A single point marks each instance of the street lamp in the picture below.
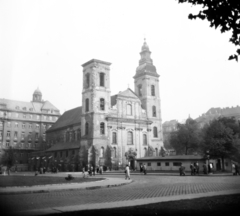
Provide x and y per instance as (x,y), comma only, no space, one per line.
(208,156)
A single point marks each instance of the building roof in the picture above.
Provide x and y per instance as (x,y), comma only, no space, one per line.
(172,157)
(35,106)
(97,61)
(64,146)
(68,118)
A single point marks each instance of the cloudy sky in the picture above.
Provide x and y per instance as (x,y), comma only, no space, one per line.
(44,43)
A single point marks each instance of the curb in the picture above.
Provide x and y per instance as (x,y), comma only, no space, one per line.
(66,189)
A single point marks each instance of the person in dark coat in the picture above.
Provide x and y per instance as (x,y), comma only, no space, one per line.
(144,169)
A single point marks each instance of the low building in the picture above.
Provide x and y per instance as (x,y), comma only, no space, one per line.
(172,163)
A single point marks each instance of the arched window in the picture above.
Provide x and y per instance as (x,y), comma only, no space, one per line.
(86,105)
(145,152)
(101,77)
(154,114)
(129,109)
(130,138)
(102,128)
(144,139)
(140,90)
(152,90)
(87,80)
(114,152)
(155,133)
(114,138)
(102,104)
(102,152)
(86,128)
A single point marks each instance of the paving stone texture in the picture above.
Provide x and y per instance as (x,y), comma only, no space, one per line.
(143,189)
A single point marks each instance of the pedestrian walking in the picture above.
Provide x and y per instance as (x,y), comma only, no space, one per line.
(182,170)
(197,168)
(127,172)
(144,169)
(233,169)
(204,168)
(192,169)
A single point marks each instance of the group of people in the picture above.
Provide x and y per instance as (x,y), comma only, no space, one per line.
(194,167)
(143,169)
(91,170)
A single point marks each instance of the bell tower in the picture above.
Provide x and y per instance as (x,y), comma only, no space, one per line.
(146,82)
(95,104)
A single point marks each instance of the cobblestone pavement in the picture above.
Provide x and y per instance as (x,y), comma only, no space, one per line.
(143,187)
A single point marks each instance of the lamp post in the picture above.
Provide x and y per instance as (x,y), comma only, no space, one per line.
(208,156)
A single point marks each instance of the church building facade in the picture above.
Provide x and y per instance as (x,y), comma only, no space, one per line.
(110,130)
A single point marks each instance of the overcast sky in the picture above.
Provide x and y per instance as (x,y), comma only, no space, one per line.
(44,43)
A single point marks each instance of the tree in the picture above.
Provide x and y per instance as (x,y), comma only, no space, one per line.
(219,140)
(221,13)
(8,158)
(130,154)
(187,137)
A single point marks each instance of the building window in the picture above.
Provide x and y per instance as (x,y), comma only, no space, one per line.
(166,163)
(24,116)
(154,114)
(144,139)
(149,164)
(140,90)
(37,126)
(177,163)
(102,152)
(145,152)
(102,128)
(87,105)
(36,136)
(101,76)
(17,115)
(102,104)
(8,134)
(87,80)
(61,154)
(9,124)
(86,128)
(44,137)
(23,135)
(155,133)
(16,124)
(30,136)
(15,134)
(158,164)
(129,109)
(114,138)
(1,135)
(38,117)
(7,144)
(55,154)
(23,126)
(129,138)
(44,126)
(152,90)
(30,116)
(30,126)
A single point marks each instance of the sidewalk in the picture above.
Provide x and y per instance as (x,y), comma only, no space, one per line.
(108,182)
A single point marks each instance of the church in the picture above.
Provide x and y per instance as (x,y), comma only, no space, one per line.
(108,130)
